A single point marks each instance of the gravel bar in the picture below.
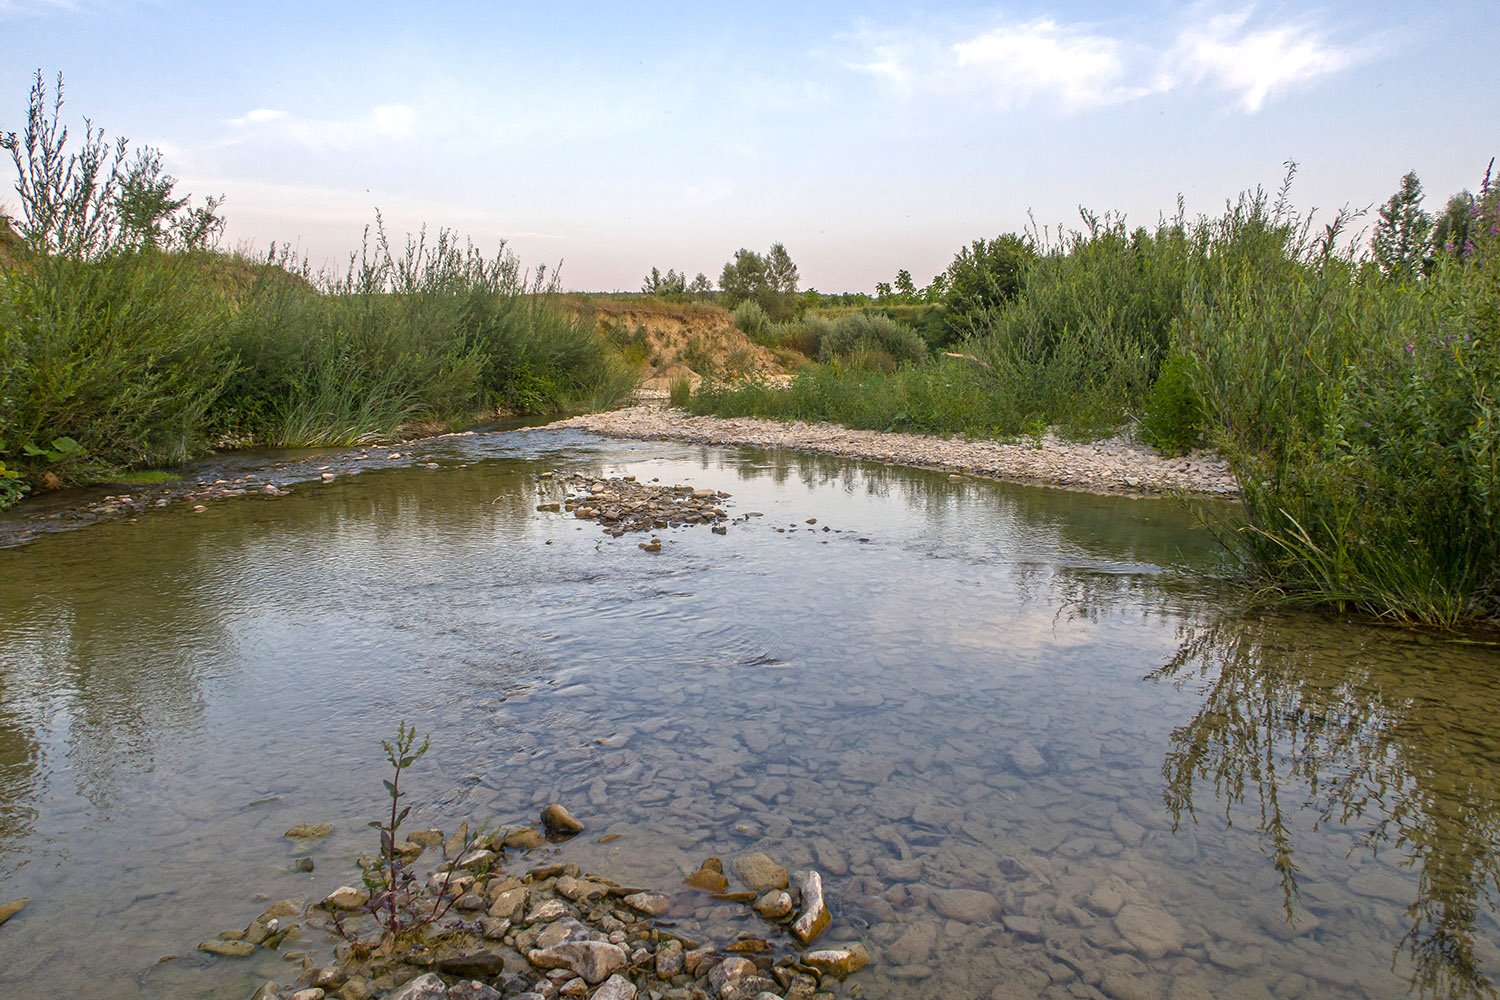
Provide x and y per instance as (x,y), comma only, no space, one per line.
(1116,465)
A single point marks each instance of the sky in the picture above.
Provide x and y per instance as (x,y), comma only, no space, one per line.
(612,138)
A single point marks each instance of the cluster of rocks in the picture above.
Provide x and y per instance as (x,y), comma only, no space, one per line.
(621,504)
(554,931)
(1117,464)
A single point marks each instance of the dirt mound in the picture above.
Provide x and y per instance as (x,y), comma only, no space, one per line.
(696,340)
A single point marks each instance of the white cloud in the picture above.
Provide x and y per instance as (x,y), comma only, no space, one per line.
(1041,58)
(1255,64)
(258,116)
(1078,67)
(382,123)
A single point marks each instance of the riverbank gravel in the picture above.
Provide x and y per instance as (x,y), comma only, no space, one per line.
(1115,465)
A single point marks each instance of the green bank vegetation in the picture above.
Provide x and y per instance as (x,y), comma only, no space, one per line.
(1351,387)
(127,341)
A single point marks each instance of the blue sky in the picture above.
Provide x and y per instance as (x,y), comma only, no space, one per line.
(866,137)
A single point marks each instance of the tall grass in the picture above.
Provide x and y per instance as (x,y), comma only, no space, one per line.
(126,341)
(950,397)
(434,333)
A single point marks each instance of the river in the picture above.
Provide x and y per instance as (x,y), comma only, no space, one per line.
(1042,695)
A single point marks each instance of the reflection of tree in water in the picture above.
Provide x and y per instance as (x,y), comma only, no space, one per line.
(19,758)
(1400,737)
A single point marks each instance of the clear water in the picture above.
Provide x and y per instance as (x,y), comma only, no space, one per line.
(1033,693)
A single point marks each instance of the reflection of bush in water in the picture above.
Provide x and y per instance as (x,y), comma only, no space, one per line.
(1404,737)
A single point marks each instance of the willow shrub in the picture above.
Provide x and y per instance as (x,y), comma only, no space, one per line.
(1083,342)
(124,354)
(1360,416)
(440,332)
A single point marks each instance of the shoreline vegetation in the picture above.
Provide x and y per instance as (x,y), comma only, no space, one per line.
(1351,392)
(128,341)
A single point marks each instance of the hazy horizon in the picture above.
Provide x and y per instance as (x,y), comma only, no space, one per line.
(866,138)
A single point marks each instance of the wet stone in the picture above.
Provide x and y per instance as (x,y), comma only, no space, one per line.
(227,949)
(759,872)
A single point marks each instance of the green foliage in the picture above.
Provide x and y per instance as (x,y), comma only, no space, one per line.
(1083,342)
(986,275)
(669,285)
(1359,416)
(1173,420)
(124,354)
(1400,240)
(867,331)
(12,486)
(680,391)
(94,201)
(771,280)
(950,397)
(751,319)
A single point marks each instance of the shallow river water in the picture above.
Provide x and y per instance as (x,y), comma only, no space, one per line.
(968,685)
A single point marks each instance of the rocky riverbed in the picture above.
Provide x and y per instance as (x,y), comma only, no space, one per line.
(488,923)
(1118,464)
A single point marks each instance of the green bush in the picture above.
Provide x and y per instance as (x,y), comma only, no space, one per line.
(870,331)
(751,319)
(1173,421)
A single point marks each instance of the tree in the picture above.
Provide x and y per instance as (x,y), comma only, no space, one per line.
(744,276)
(905,290)
(700,285)
(781,273)
(1450,232)
(769,279)
(987,274)
(667,284)
(1400,240)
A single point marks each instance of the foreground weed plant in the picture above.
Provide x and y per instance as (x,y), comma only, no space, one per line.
(396,899)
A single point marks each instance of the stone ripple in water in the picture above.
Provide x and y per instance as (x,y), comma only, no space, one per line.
(952,721)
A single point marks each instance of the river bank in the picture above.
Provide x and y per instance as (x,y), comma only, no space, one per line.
(1115,465)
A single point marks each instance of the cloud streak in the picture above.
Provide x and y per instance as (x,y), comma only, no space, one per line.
(379,124)
(1254,65)
(1077,67)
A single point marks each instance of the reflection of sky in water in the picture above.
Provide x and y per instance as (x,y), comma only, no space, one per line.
(179,691)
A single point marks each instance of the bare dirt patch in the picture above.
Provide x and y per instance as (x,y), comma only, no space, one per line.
(694,340)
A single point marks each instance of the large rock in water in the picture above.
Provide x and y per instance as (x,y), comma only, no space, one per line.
(1150,930)
(759,872)
(594,961)
(839,961)
(558,820)
(814,916)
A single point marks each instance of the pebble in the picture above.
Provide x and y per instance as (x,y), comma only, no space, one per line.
(1116,465)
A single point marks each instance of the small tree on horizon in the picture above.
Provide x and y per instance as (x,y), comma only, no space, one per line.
(1400,240)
